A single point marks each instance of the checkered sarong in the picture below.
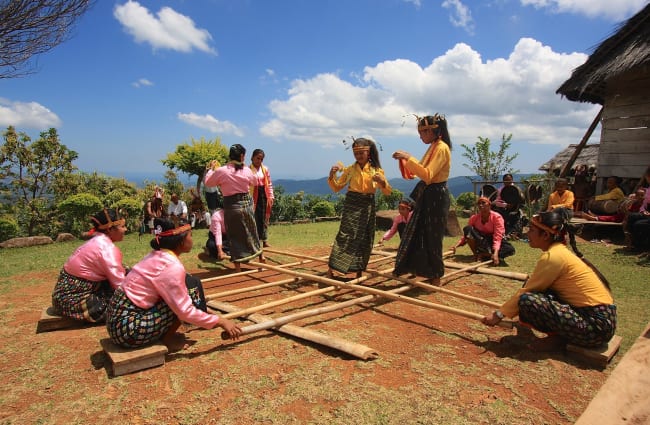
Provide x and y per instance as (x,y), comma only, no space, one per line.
(81,299)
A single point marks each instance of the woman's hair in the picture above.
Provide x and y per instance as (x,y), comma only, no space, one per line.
(236,151)
(105,220)
(257,152)
(557,225)
(161,226)
(506,175)
(373,153)
(439,125)
(407,203)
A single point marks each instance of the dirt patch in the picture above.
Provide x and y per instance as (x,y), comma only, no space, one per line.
(433,367)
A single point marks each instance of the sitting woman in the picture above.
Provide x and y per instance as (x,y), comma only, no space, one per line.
(484,234)
(405,209)
(626,207)
(91,274)
(565,297)
(157,295)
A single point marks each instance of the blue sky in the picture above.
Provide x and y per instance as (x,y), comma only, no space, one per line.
(296,77)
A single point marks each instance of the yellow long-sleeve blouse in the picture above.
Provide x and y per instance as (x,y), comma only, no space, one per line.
(557,201)
(435,164)
(359,180)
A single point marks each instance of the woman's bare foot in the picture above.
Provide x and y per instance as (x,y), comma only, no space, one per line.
(359,274)
(237,267)
(262,258)
(330,273)
(176,342)
(265,244)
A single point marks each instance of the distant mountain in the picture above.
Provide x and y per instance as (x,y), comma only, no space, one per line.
(319,187)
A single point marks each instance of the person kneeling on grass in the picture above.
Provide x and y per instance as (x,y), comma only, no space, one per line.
(565,297)
(158,294)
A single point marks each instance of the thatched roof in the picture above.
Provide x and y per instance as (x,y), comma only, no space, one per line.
(588,156)
(627,49)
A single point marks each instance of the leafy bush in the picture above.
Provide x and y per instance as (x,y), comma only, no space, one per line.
(466,200)
(131,209)
(76,211)
(8,229)
(323,209)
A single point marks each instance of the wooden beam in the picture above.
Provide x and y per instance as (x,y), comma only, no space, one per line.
(582,144)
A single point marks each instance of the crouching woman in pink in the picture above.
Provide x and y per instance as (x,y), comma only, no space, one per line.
(91,274)
(158,294)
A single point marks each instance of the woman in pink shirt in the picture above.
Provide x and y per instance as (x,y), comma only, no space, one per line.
(235,181)
(405,209)
(158,294)
(484,234)
(91,274)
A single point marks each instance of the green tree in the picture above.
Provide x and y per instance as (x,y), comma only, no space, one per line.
(27,172)
(466,200)
(77,210)
(489,165)
(389,202)
(192,158)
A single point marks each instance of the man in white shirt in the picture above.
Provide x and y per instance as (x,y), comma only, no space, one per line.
(177,209)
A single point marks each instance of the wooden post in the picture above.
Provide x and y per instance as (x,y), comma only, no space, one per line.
(582,144)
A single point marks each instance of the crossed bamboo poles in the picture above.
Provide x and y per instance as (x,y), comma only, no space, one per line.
(281,323)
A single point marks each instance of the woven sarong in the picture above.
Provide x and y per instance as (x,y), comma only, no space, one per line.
(260,214)
(583,326)
(242,230)
(81,299)
(420,248)
(484,243)
(353,243)
(131,326)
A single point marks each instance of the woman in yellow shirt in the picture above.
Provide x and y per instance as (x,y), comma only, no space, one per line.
(420,249)
(356,235)
(565,297)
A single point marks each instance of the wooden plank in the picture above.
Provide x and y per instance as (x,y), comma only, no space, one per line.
(129,360)
(51,320)
(623,398)
(576,220)
(599,356)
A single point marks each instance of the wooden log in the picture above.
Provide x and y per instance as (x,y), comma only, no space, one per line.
(424,285)
(493,272)
(357,350)
(385,294)
(128,360)
(51,320)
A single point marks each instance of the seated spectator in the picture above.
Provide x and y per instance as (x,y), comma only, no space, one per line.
(507,203)
(217,246)
(198,214)
(637,226)
(91,274)
(562,197)
(627,206)
(158,295)
(405,209)
(177,209)
(484,234)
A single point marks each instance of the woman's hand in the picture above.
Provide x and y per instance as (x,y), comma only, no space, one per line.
(333,170)
(229,326)
(495,258)
(401,155)
(491,320)
(379,179)
(453,249)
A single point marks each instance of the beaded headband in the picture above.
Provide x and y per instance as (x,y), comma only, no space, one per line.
(537,221)
(171,232)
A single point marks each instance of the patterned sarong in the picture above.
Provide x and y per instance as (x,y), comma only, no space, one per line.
(420,248)
(242,230)
(484,242)
(353,243)
(260,214)
(81,299)
(583,326)
(131,326)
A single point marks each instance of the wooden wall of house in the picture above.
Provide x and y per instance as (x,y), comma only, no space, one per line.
(625,135)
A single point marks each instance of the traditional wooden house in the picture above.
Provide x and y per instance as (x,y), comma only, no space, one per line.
(617,76)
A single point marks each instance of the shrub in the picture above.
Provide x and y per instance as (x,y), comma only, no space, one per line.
(466,200)
(77,210)
(323,209)
(8,229)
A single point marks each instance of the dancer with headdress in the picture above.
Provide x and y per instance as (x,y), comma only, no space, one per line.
(356,235)
(565,297)
(158,294)
(420,250)
(91,274)
(235,180)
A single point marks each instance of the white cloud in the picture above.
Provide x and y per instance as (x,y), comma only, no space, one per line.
(416,3)
(210,123)
(514,95)
(29,115)
(460,15)
(167,30)
(614,10)
(142,82)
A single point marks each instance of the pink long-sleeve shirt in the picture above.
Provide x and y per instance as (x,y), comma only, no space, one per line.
(399,218)
(160,275)
(97,260)
(494,226)
(218,226)
(231,181)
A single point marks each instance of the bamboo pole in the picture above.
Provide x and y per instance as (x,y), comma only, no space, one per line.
(252,288)
(384,294)
(324,259)
(485,270)
(288,300)
(442,290)
(357,350)
(247,272)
